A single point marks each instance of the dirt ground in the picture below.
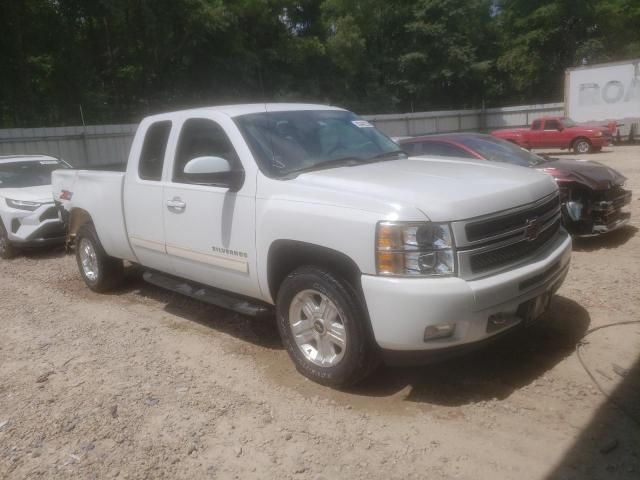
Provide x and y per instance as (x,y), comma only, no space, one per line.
(143,383)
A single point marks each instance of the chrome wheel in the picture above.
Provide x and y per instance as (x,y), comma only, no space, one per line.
(583,146)
(317,328)
(88,260)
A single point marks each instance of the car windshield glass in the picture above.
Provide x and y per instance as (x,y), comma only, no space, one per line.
(498,150)
(28,174)
(291,142)
(568,123)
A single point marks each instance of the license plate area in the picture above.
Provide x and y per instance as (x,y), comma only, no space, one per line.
(533,309)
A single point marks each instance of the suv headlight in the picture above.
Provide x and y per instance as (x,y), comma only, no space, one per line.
(23,204)
(415,249)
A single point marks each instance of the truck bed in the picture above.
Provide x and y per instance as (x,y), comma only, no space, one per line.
(101,193)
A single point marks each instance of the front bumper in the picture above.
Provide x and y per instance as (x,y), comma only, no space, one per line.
(40,227)
(594,217)
(599,142)
(400,309)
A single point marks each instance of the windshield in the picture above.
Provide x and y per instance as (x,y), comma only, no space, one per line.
(568,123)
(28,174)
(291,142)
(498,150)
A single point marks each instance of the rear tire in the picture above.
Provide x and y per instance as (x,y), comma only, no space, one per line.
(99,271)
(7,250)
(582,146)
(323,327)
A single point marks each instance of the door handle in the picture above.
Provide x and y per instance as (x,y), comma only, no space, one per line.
(176,203)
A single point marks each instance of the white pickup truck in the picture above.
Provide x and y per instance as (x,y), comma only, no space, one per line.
(365,254)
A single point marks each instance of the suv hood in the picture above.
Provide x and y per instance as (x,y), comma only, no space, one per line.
(41,193)
(444,189)
(594,175)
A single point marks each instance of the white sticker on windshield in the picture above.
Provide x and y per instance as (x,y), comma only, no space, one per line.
(362,124)
(48,162)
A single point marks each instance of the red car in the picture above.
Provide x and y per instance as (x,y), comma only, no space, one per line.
(558,132)
(592,194)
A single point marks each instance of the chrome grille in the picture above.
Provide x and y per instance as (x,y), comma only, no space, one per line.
(479,230)
(499,257)
(492,244)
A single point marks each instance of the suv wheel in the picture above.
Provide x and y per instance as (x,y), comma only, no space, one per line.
(582,145)
(323,327)
(99,271)
(7,250)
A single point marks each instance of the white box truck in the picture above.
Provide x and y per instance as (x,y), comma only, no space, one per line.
(604,93)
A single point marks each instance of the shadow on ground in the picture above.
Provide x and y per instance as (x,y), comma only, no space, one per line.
(43,253)
(493,372)
(609,240)
(261,331)
(609,446)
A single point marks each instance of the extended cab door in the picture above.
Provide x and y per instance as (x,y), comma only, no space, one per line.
(552,135)
(209,226)
(143,194)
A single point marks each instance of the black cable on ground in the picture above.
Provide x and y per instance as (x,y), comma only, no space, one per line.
(609,398)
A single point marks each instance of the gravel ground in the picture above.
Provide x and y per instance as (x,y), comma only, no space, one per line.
(144,383)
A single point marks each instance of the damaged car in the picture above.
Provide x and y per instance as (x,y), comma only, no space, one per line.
(593,195)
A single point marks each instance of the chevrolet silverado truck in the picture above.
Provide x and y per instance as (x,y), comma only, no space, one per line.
(558,132)
(363,253)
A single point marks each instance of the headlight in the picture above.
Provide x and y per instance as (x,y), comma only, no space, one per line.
(23,204)
(414,249)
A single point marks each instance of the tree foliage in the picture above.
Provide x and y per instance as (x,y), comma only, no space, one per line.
(122,59)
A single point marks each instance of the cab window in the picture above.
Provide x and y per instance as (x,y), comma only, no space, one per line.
(552,125)
(153,150)
(536,125)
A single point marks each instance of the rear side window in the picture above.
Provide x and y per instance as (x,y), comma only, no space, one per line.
(536,125)
(153,149)
(411,148)
(444,150)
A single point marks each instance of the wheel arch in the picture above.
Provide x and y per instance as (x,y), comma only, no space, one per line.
(578,138)
(77,218)
(286,255)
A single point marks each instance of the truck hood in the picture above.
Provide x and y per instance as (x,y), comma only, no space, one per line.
(444,189)
(41,193)
(582,128)
(594,175)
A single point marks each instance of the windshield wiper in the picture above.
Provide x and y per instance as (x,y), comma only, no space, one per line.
(346,162)
(384,155)
(336,162)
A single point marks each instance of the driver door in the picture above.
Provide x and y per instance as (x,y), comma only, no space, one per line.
(209,229)
(552,134)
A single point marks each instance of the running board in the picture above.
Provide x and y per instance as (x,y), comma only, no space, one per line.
(208,294)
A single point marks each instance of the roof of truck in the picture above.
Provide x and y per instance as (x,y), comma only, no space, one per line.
(25,158)
(249,108)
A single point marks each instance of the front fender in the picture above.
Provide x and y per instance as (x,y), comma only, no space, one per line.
(348,231)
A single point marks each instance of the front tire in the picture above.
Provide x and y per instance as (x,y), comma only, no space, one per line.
(582,146)
(323,327)
(99,271)
(7,250)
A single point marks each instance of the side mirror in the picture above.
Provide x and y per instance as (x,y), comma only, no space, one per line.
(215,171)
(560,127)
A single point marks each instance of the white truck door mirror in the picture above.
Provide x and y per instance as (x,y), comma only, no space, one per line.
(207,165)
(213,171)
